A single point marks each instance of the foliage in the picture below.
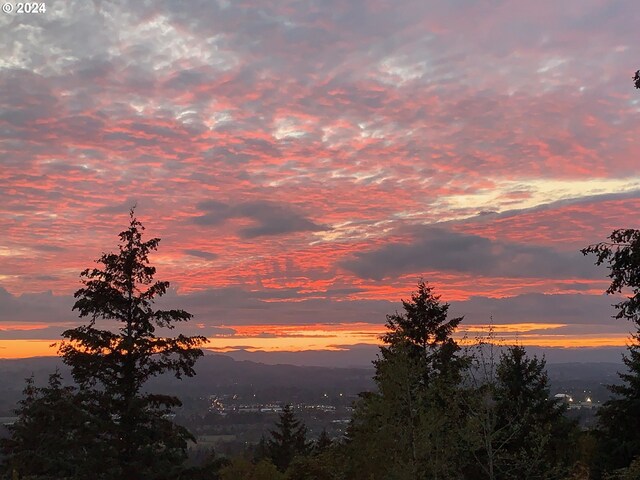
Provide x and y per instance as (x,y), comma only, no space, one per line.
(412,426)
(288,439)
(242,469)
(514,430)
(110,420)
(312,467)
(261,450)
(50,427)
(622,256)
(632,472)
(533,424)
(620,443)
(208,470)
(424,334)
(323,443)
(486,439)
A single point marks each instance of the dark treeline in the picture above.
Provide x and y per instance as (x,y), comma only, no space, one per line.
(106,425)
(439,412)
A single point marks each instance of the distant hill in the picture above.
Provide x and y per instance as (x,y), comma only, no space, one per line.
(217,374)
(361,356)
(584,371)
(354,356)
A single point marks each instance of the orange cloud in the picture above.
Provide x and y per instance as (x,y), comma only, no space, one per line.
(364,132)
(334,337)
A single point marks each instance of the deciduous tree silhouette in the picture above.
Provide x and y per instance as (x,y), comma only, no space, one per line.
(620,416)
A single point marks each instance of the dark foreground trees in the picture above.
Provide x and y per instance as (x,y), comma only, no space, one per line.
(410,428)
(428,421)
(619,427)
(46,439)
(125,431)
(113,366)
(620,416)
(288,439)
(534,433)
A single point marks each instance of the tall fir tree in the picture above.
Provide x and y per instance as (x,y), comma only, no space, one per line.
(111,366)
(532,426)
(410,428)
(288,439)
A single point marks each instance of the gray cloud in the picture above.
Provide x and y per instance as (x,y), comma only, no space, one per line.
(121,207)
(239,306)
(48,248)
(434,248)
(234,306)
(572,309)
(35,307)
(271,218)
(201,254)
(45,333)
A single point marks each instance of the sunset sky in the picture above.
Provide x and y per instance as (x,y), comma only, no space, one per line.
(305,163)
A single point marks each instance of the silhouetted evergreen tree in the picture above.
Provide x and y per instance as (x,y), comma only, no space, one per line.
(261,450)
(411,428)
(620,416)
(288,439)
(133,433)
(322,463)
(323,442)
(532,425)
(49,440)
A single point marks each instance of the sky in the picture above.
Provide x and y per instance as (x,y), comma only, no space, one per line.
(306,163)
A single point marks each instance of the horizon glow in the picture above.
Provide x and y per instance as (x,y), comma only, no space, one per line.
(306,164)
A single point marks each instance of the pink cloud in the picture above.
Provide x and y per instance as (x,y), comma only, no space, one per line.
(346,127)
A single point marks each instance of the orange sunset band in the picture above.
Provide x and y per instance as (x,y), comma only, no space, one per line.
(277,338)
